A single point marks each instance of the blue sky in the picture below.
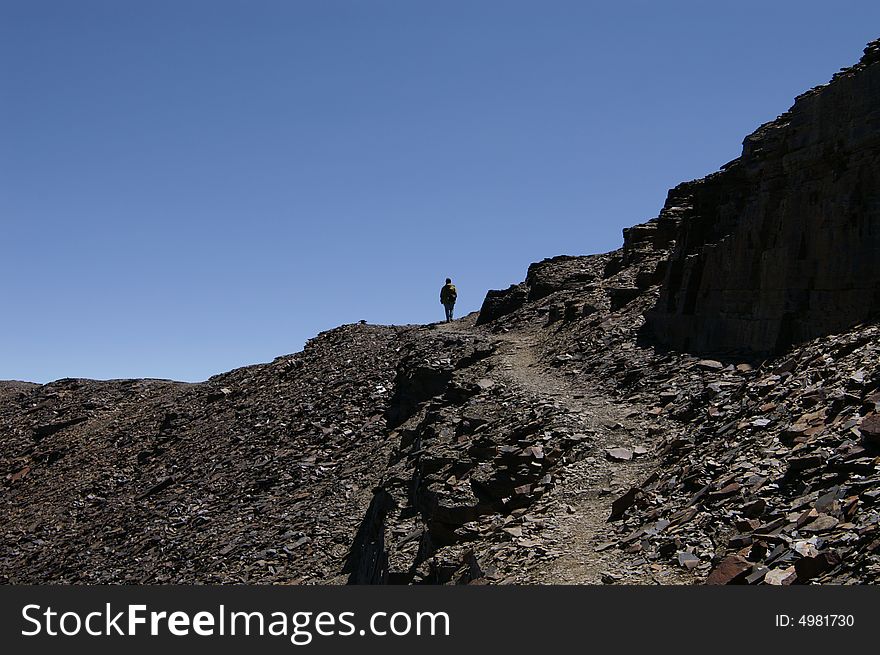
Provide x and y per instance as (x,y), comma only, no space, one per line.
(190,186)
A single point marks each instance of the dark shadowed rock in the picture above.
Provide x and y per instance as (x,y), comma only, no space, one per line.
(782,244)
(367,561)
(501,303)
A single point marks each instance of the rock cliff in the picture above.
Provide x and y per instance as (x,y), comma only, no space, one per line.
(782,244)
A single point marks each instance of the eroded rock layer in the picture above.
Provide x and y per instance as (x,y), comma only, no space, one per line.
(782,245)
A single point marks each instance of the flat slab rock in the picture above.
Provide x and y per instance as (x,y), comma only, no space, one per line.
(619,454)
(730,570)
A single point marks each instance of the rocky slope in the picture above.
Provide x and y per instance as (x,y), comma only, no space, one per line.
(553,437)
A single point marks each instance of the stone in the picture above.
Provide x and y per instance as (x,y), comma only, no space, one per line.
(805,462)
(754,508)
(781,577)
(619,454)
(688,561)
(624,502)
(806,548)
(727,490)
(870,428)
(808,568)
(485,384)
(20,474)
(757,576)
(502,303)
(739,541)
(731,570)
(823,523)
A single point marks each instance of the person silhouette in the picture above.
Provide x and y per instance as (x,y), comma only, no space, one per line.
(448,294)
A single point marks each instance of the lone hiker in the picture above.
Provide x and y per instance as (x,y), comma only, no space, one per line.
(448,295)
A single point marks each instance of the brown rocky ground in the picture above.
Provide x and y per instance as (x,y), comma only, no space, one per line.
(756,470)
(459,453)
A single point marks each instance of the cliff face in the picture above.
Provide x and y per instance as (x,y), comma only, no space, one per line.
(783,244)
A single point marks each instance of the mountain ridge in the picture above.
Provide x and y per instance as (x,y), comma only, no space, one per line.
(562,434)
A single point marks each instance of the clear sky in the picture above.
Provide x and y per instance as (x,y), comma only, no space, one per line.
(188,186)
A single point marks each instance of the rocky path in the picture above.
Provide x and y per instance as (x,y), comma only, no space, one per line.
(579,507)
(581,503)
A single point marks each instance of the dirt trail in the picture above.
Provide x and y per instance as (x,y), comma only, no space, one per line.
(581,502)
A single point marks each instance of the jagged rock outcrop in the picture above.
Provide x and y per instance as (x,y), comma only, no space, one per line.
(543,278)
(782,245)
(499,302)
